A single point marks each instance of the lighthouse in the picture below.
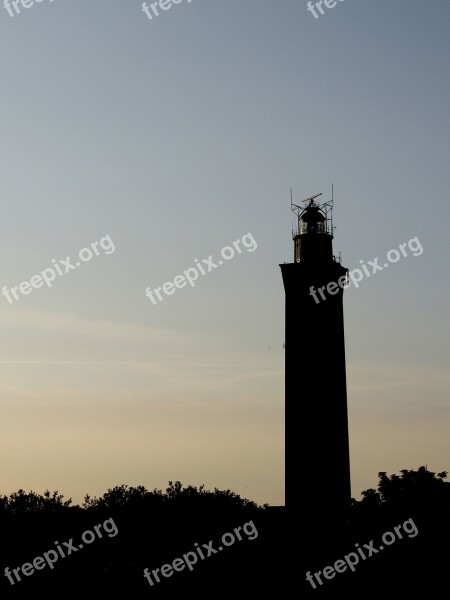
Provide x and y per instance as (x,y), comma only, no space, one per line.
(317,458)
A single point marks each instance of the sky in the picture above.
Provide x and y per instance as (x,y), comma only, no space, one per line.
(167,140)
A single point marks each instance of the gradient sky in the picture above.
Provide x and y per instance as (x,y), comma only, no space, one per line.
(176,137)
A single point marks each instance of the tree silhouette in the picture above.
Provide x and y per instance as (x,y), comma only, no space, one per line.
(415,490)
(21,503)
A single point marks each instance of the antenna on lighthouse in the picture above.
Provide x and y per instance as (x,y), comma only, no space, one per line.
(312,198)
(331,211)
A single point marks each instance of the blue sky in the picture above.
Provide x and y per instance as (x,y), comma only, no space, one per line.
(176,137)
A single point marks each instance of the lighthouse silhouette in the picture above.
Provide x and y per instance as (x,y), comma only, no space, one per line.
(317,458)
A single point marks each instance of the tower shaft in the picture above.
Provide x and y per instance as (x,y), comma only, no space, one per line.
(315,374)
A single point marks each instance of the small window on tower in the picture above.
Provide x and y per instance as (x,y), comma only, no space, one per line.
(297,250)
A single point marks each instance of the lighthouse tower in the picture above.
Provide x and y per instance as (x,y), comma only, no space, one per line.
(317,462)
